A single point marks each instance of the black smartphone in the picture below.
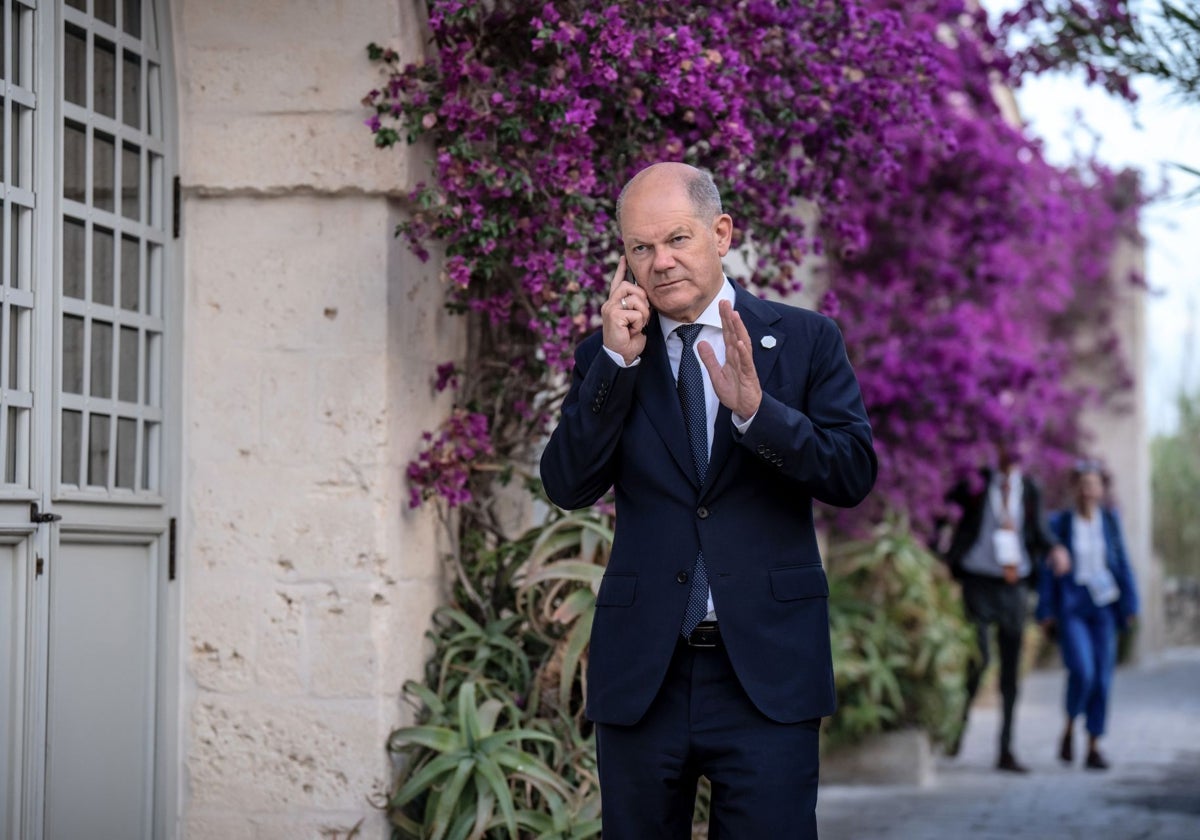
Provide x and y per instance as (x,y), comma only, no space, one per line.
(629,278)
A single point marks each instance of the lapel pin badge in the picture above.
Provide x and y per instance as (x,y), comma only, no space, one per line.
(768,341)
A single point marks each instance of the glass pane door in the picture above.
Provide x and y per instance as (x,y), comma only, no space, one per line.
(113,236)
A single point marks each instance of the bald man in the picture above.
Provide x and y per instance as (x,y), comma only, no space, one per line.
(718,418)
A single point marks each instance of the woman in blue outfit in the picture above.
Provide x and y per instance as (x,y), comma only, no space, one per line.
(1088,603)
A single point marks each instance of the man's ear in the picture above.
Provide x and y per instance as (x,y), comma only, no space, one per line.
(723,231)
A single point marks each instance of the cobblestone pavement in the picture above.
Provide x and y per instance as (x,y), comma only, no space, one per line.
(1152,791)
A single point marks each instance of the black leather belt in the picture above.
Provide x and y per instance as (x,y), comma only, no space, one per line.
(706,635)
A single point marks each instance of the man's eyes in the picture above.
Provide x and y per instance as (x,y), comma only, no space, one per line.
(674,240)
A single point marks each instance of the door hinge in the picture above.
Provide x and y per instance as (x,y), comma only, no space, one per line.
(176,207)
(39,566)
(37,517)
(171,550)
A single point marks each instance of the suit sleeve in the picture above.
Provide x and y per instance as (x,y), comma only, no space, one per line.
(829,447)
(1041,537)
(1049,588)
(578,465)
(1127,606)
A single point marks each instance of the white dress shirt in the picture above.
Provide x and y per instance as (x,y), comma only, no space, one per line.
(1091,563)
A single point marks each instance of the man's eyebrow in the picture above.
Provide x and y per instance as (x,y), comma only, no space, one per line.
(671,234)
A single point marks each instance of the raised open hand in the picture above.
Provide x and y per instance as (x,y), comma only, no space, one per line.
(736,381)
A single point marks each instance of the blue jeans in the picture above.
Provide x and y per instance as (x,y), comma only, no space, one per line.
(1089,650)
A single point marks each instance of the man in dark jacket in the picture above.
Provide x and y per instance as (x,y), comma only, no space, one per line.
(997,545)
(718,418)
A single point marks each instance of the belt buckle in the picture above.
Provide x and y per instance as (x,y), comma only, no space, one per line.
(707,635)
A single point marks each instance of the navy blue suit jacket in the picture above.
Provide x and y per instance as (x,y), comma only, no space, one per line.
(752,516)
(1061,597)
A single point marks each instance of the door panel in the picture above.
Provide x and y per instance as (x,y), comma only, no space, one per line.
(12,679)
(88,617)
(100,715)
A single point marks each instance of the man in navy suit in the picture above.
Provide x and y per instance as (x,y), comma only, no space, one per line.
(710,649)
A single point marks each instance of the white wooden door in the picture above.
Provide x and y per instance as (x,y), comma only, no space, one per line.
(86,428)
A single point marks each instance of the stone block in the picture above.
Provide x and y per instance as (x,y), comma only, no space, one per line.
(350,398)
(291,75)
(225,416)
(304,152)
(890,758)
(221,636)
(409,607)
(233,509)
(286,756)
(251,80)
(290,428)
(366,823)
(290,25)
(318,538)
(282,664)
(345,659)
(201,826)
(311,278)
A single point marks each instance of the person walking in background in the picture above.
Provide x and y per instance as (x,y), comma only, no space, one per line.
(997,543)
(718,418)
(1086,603)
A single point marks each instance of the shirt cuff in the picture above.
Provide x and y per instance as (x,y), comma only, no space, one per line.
(620,360)
(740,424)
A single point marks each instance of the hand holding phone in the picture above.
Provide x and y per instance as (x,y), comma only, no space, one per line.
(625,314)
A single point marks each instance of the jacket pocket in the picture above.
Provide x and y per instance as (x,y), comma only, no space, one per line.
(792,583)
(616,591)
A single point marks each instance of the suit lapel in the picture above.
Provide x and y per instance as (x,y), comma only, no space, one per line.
(656,392)
(758,318)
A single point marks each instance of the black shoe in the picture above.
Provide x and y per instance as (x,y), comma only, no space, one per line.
(1008,763)
(1095,761)
(1066,750)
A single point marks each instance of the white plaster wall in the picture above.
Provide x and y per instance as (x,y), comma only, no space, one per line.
(1120,437)
(310,335)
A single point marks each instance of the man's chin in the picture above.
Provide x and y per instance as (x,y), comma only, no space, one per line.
(672,299)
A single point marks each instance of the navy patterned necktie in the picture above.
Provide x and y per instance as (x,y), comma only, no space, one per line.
(695,417)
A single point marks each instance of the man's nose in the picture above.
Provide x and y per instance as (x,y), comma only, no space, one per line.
(664,260)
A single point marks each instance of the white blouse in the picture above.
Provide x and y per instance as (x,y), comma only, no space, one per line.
(1090,555)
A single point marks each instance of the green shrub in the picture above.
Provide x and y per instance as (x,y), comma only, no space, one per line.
(501,747)
(900,641)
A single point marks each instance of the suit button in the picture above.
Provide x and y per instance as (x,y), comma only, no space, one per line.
(702,512)
(681,577)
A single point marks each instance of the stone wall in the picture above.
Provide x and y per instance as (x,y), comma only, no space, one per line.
(1119,436)
(309,337)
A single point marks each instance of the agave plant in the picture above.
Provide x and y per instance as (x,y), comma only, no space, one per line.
(576,818)
(485,653)
(900,642)
(556,591)
(471,776)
